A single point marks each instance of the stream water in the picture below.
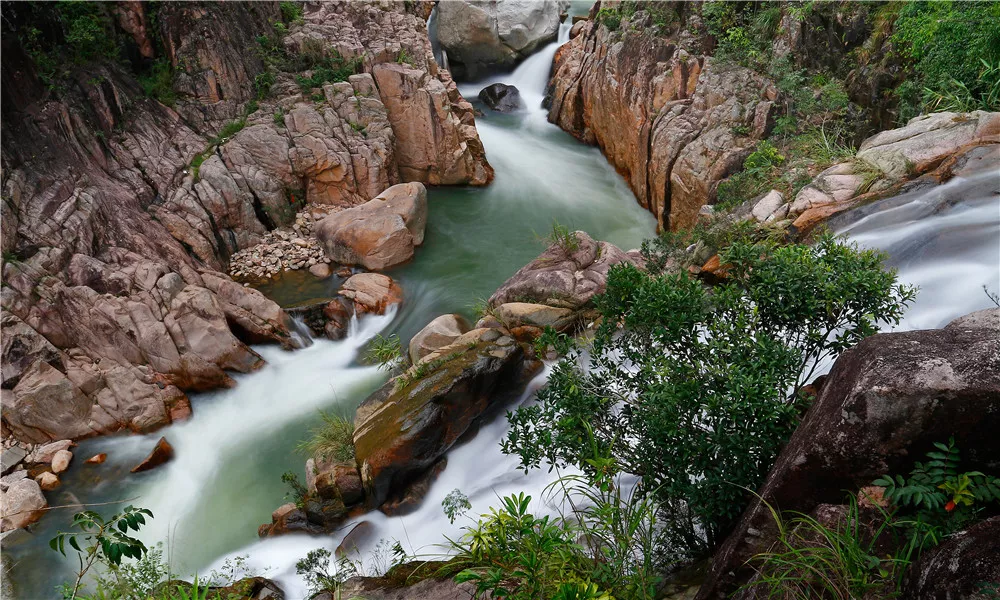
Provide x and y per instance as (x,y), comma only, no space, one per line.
(225,479)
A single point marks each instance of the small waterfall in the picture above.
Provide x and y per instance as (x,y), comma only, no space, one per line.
(945,240)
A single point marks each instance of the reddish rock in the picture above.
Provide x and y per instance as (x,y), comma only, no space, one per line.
(562,277)
(47,481)
(96,459)
(371,292)
(160,454)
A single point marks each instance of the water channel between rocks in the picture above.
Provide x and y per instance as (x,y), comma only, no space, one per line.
(225,479)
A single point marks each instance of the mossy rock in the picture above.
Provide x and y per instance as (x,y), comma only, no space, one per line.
(406,425)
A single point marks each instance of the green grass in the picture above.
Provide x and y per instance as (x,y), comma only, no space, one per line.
(332,439)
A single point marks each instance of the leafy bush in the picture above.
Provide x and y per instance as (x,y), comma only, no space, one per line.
(938,494)
(947,42)
(330,69)
(676,372)
(296,491)
(291,12)
(158,82)
(333,438)
(753,180)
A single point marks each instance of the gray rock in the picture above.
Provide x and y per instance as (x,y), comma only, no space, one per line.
(481,35)
(11,457)
(885,401)
(22,505)
(501,97)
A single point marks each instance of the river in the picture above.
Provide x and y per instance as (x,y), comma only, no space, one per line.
(225,479)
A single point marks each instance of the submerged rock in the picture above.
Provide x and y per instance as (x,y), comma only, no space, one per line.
(481,36)
(160,454)
(380,233)
(501,97)
(884,403)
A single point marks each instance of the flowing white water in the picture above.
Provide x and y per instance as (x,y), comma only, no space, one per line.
(945,240)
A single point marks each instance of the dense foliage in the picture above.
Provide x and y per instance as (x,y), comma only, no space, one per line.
(695,390)
(955,51)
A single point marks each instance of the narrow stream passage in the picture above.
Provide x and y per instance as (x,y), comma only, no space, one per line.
(225,480)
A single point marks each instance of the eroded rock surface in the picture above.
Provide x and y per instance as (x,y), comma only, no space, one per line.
(119,213)
(380,233)
(661,111)
(409,423)
(566,275)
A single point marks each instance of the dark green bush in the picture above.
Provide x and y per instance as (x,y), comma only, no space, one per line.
(947,42)
(695,391)
(158,82)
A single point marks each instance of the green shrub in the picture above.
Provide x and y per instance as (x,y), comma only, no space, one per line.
(262,84)
(291,12)
(332,439)
(230,129)
(330,69)
(158,82)
(940,497)
(701,366)
(947,42)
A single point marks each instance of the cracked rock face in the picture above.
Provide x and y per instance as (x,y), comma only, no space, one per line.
(120,214)
(662,114)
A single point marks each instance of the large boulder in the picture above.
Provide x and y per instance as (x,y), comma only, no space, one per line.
(435,129)
(371,293)
(965,565)
(501,97)
(411,421)
(380,233)
(567,275)
(440,332)
(484,35)
(927,140)
(883,406)
(21,505)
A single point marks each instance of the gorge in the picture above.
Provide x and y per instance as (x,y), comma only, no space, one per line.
(116,243)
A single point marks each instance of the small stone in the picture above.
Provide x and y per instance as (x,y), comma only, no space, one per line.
(160,454)
(321,270)
(47,481)
(60,461)
(97,459)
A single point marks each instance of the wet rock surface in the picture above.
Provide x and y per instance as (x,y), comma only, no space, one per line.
(120,213)
(566,275)
(501,97)
(409,423)
(380,233)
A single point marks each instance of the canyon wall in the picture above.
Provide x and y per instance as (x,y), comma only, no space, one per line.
(121,212)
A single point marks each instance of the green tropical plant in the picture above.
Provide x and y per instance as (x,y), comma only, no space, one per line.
(843,560)
(385,351)
(940,495)
(100,540)
(677,371)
